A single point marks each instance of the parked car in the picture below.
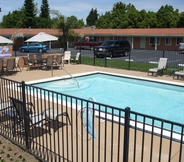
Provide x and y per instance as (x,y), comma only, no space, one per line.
(113,48)
(181,47)
(86,44)
(34,47)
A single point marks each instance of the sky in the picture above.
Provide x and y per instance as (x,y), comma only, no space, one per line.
(81,8)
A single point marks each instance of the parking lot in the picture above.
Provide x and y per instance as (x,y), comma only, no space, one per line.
(142,56)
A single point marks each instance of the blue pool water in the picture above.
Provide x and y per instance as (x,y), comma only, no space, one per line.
(151,98)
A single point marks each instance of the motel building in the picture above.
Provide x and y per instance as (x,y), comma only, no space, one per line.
(140,38)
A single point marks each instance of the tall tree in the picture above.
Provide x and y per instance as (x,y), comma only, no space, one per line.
(44,21)
(29,14)
(44,9)
(92,17)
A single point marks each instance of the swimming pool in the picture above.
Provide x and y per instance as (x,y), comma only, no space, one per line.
(152,98)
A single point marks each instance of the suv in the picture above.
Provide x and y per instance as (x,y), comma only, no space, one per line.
(113,48)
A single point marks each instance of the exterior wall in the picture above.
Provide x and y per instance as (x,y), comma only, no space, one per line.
(172,46)
(136,43)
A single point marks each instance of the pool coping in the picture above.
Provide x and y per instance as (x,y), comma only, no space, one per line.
(102,72)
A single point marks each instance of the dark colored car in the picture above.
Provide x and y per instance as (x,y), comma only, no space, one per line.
(34,47)
(113,48)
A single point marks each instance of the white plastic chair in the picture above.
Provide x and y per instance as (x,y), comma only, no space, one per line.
(76,60)
(67,57)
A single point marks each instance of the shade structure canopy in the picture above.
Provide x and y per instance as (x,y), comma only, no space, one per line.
(5,40)
(42,37)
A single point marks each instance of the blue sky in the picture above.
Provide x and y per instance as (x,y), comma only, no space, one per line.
(81,8)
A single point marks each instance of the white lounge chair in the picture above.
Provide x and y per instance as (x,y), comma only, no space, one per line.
(67,57)
(76,60)
(178,74)
(161,66)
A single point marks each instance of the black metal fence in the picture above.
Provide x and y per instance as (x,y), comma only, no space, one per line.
(80,130)
(140,60)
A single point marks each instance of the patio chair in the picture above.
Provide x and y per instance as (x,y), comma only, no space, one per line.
(76,60)
(57,63)
(35,119)
(1,66)
(48,63)
(39,58)
(27,63)
(4,105)
(160,69)
(10,66)
(67,57)
(32,117)
(6,108)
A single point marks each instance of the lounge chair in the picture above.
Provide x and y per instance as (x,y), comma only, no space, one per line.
(76,60)
(160,69)
(67,57)
(178,74)
(34,118)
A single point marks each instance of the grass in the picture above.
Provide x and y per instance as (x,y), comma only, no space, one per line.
(120,64)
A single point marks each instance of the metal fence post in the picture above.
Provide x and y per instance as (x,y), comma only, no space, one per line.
(163,54)
(80,56)
(129,61)
(94,57)
(26,120)
(126,134)
(105,60)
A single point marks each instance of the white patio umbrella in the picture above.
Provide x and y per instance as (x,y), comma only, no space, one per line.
(42,37)
(5,40)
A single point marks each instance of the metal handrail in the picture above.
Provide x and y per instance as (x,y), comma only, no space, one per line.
(67,73)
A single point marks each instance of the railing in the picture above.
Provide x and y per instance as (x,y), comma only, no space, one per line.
(115,134)
(68,73)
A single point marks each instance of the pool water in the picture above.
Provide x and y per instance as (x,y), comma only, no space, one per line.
(151,98)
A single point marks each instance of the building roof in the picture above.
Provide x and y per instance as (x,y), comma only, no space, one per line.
(161,32)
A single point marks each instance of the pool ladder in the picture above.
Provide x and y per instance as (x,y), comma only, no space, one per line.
(60,66)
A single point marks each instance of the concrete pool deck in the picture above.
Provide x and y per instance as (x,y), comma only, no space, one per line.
(31,75)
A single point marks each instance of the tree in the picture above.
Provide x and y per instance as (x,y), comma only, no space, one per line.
(29,14)
(44,21)
(65,25)
(180,23)
(92,17)
(167,17)
(12,20)
(44,10)
(104,21)
(131,16)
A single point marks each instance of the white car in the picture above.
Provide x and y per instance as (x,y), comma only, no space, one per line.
(181,47)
